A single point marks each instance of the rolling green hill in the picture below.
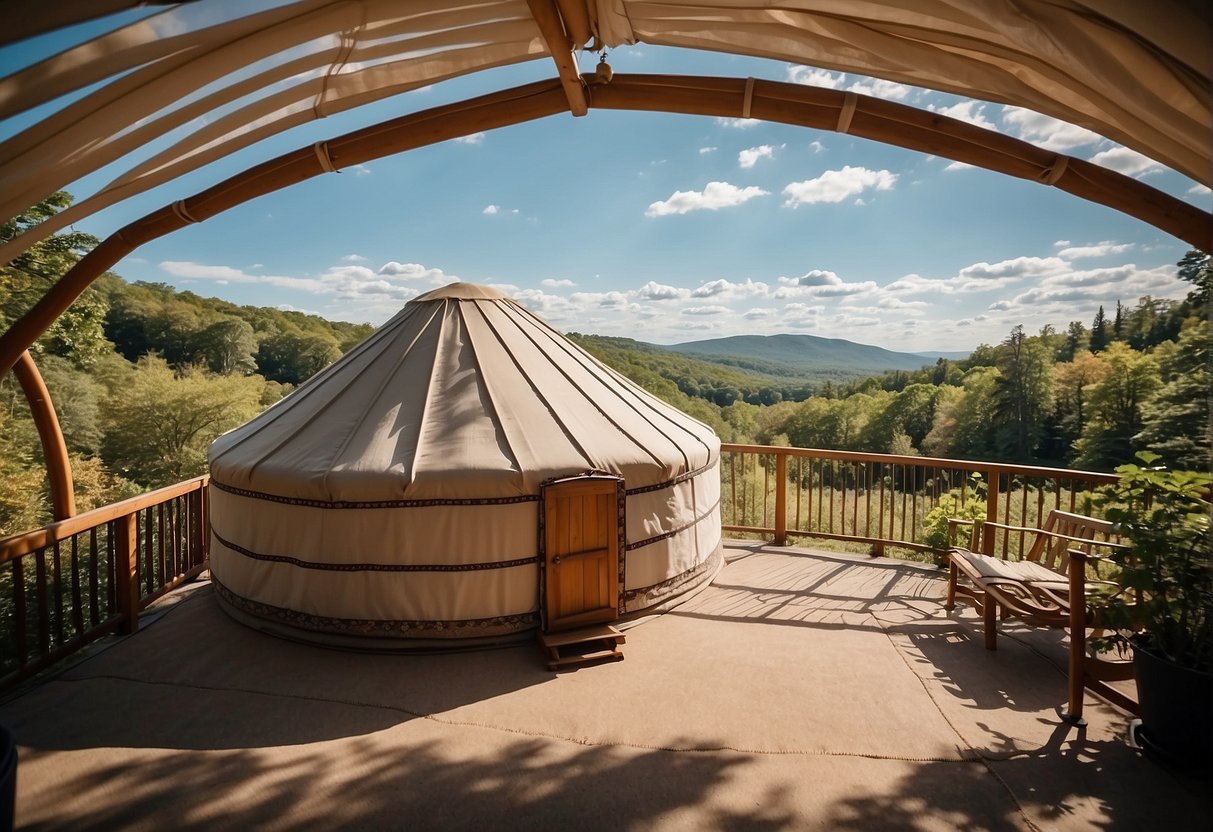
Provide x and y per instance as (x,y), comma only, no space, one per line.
(803,356)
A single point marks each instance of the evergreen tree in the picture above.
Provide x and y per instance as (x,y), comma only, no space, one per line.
(1023,395)
(1099,332)
(1175,422)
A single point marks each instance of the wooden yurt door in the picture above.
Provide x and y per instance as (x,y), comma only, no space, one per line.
(581,552)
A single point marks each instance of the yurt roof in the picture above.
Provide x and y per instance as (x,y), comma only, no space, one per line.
(117,85)
(463,394)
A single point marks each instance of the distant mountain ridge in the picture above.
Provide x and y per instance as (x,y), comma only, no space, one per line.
(801,355)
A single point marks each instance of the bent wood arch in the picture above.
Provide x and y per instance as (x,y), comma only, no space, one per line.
(795,104)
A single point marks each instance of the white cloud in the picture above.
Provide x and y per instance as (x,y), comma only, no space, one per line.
(358,170)
(958,166)
(820,283)
(728,290)
(659,291)
(714,196)
(816,146)
(1046,131)
(472,138)
(706,310)
(1103,249)
(349,258)
(553,283)
(1128,162)
(980,276)
(391,282)
(1200,190)
(973,112)
(837,185)
(880,88)
(760,312)
(705,150)
(738,123)
(491,209)
(415,271)
(227,274)
(750,156)
(814,76)
(817,77)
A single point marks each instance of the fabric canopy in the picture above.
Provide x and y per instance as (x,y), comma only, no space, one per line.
(1138,73)
(396,494)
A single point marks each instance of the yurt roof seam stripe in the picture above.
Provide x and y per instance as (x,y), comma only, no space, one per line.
(589,461)
(582,447)
(640,544)
(579,356)
(308,387)
(636,392)
(385,626)
(388,378)
(592,400)
(478,566)
(490,394)
(427,503)
(429,397)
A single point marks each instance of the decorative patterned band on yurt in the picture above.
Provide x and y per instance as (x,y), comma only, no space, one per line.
(397,494)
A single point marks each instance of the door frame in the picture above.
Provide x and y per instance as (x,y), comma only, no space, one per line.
(621,530)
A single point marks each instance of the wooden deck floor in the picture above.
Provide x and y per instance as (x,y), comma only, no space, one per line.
(801,690)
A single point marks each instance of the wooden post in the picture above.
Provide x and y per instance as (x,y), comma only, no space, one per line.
(126,574)
(781,498)
(1078,634)
(54,449)
(993,483)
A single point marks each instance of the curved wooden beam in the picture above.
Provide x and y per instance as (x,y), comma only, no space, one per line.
(816,107)
(54,449)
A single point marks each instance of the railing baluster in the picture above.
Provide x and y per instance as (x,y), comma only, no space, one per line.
(77,601)
(42,599)
(19,622)
(94,565)
(56,611)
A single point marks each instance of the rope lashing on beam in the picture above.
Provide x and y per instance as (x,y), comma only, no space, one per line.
(749,97)
(321,149)
(1054,172)
(849,102)
(182,213)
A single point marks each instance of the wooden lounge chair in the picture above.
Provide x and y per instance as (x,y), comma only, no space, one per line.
(1038,588)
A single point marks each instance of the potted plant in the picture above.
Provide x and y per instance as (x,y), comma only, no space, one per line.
(1162,606)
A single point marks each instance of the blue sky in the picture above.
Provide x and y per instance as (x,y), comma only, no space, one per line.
(671,228)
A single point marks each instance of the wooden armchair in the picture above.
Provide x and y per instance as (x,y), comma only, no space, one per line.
(1039,589)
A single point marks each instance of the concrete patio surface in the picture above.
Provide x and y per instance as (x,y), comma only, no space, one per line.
(801,690)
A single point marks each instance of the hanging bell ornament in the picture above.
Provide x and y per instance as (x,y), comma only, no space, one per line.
(603,72)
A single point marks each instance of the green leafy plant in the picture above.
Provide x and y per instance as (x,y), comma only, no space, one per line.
(966,503)
(1163,598)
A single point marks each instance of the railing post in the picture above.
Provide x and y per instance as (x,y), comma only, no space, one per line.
(781,498)
(993,477)
(126,571)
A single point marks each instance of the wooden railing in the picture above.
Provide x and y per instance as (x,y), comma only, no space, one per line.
(883,500)
(74,581)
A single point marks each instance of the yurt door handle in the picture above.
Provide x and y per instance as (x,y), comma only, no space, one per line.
(588,553)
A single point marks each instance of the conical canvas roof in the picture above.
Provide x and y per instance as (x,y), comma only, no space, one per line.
(463,394)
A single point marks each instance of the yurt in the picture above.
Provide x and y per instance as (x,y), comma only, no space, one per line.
(466,473)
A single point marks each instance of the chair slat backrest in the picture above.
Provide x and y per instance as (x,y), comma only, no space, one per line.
(1053,552)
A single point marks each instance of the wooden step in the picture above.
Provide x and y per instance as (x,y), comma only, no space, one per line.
(581,646)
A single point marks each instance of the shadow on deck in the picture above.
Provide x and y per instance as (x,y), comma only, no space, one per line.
(801,689)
